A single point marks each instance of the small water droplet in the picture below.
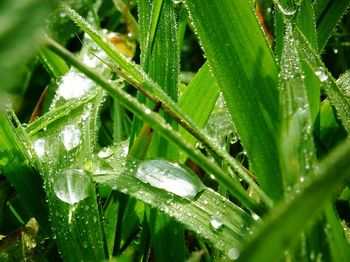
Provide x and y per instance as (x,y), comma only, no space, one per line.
(105,152)
(72,185)
(148,111)
(170,177)
(233,253)
(39,147)
(321,74)
(216,223)
(176,2)
(70,137)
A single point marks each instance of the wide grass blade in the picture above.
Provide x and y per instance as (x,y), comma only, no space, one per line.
(287,219)
(241,60)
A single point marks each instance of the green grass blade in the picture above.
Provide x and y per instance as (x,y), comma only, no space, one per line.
(297,147)
(288,219)
(15,165)
(54,64)
(339,247)
(335,95)
(307,24)
(160,60)
(329,18)
(240,59)
(199,99)
(196,213)
(158,123)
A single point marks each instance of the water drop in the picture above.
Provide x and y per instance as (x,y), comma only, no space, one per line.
(74,85)
(70,137)
(72,185)
(216,223)
(148,111)
(321,74)
(286,11)
(176,2)
(105,152)
(233,253)
(39,147)
(170,177)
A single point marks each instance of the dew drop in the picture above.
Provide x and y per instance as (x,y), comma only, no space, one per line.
(286,11)
(148,111)
(176,2)
(105,152)
(321,74)
(170,177)
(39,147)
(233,253)
(74,85)
(70,137)
(72,185)
(216,223)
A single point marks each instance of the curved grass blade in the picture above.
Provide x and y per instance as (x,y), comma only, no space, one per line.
(137,77)
(288,218)
(241,60)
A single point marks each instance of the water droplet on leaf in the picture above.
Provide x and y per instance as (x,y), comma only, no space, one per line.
(72,185)
(233,253)
(321,74)
(216,223)
(70,137)
(170,177)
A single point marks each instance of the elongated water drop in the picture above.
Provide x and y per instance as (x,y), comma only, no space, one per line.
(170,177)
(72,185)
(71,137)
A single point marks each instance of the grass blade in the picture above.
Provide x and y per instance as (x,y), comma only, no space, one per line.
(239,63)
(337,99)
(290,217)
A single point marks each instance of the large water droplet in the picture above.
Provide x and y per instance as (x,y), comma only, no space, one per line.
(72,185)
(216,223)
(170,177)
(321,74)
(70,137)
